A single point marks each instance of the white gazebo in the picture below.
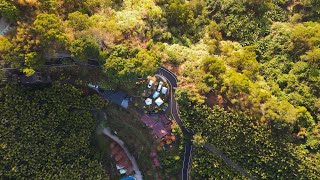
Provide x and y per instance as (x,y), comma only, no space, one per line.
(148,101)
(159,101)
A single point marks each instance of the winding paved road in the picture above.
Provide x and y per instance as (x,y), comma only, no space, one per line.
(172,80)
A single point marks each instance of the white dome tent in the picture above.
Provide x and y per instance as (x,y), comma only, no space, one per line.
(148,101)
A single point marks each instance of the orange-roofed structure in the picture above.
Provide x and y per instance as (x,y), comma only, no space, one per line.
(123,162)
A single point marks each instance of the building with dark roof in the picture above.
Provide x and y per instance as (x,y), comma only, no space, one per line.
(164,119)
(159,130)
(117,97)
(148,120)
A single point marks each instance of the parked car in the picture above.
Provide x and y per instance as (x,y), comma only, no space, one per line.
(165,108)
(150,84)
(160,86)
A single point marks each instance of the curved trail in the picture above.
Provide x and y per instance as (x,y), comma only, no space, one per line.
(138,174)
(227,160)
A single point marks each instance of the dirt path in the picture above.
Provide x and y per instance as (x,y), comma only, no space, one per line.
(227,160)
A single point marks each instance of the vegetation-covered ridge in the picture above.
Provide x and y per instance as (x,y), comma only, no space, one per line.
(257,58)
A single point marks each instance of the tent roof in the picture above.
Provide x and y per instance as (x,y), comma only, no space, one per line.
(159,101)
(155,94)
(164,90)
(122,171)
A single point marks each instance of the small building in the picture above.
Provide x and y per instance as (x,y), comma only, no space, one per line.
(112,145)
(119,167)
(123,171)
(124,165)
(164,119)
(159,130)
(117,97)
(129,170)
(118,156)
(148,120)
(115,150)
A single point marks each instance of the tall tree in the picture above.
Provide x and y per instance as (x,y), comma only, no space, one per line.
(124,66)
(84,48)
(78,21)
(49,30)
(8,10)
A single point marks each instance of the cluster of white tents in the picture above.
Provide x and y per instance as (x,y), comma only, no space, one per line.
(155,96)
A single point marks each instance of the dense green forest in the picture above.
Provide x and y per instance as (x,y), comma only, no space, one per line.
(258,60)
(45,134)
